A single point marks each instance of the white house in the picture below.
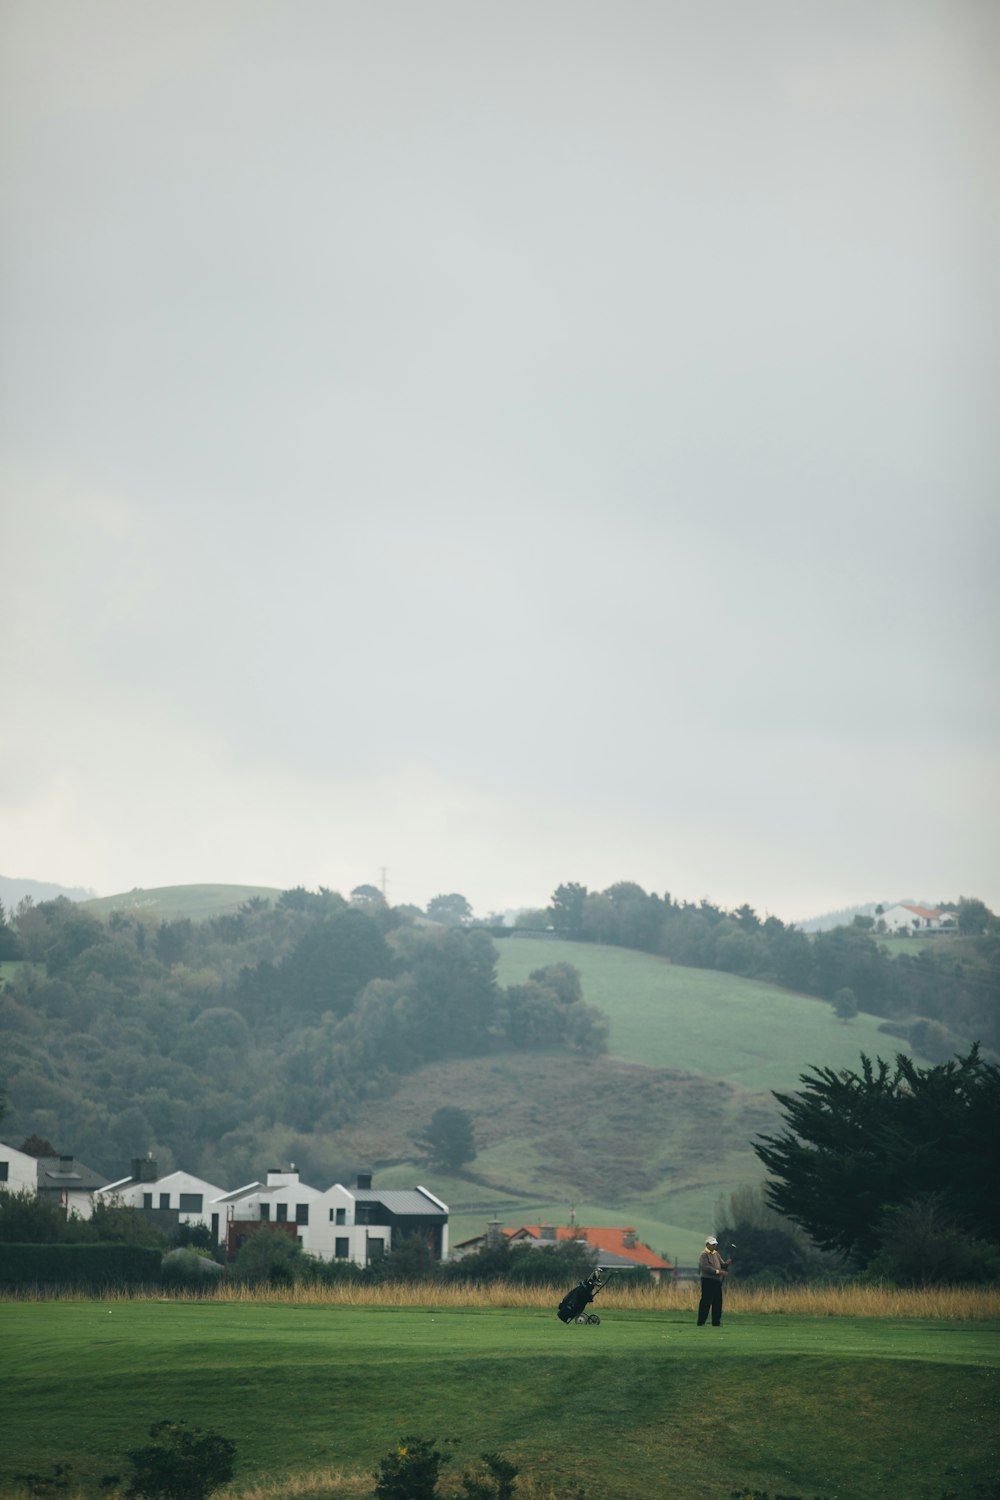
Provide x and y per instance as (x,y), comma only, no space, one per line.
(361,1223)
(282,1199)
(341,1223)
(188,1199)
(906,916)
(18,1170)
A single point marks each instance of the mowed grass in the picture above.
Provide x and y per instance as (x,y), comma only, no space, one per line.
(750,1034)
(646,1404)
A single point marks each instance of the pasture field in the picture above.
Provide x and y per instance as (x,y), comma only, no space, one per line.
(168,903)
(621,1141)
(748,1033)
(881,1402)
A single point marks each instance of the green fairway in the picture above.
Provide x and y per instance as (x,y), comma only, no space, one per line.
(748,1033)
(646,1404)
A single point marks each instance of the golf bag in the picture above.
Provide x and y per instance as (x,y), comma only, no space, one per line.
(573,1307)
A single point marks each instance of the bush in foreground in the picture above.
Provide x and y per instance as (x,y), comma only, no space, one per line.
(181,1463)
(411,1471)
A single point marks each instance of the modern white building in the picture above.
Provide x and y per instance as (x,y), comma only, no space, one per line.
(186,1198)
(362,1223)
(281,1199)
(358,1224)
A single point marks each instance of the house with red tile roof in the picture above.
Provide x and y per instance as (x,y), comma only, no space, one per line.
(619,1247)
(907,916)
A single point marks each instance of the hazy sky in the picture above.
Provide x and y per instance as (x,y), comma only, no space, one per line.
(503,443)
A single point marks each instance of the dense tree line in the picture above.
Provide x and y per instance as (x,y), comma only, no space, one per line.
(938,999)
(894,1166)
(254,1034)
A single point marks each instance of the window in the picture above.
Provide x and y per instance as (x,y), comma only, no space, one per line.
(302,1213)
(265,1211)
(282,1213)
(191,1203)
(4,1171)
(340,1249)
(376,1249)
(164,1200)
(147,1200)
(341,1215)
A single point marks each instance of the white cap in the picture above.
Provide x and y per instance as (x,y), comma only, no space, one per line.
(711,1240)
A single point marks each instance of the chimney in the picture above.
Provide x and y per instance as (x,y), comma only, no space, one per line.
(629,1239)
(493,1234)
(144,1168)
(364,1181)
(546,1231)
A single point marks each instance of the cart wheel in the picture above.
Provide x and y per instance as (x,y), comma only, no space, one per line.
(583,1318)
(593,1318)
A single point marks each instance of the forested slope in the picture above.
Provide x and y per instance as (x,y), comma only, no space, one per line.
(223,1044)
(314,1030)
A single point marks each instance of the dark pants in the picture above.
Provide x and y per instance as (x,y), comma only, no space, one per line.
(711,1300)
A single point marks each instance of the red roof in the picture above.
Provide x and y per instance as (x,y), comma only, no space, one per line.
(621,1242)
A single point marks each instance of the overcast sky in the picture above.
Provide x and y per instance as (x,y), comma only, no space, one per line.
(500,444)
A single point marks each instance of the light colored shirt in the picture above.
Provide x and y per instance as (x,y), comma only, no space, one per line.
(710,1263)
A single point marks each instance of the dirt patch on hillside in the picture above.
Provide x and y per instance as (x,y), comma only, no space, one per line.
(604,1129)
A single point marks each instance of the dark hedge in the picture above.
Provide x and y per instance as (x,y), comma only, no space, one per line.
(84,1265)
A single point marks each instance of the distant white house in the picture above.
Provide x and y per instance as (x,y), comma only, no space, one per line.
(362,1223)
(281,1199)
(905,916)
(186,1198)
(358,1224)
(18,1170)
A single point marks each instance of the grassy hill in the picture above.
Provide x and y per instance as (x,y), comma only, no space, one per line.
(651,1135)
(169,903)
(752,1035)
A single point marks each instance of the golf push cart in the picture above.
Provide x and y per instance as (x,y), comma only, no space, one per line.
(573,1307)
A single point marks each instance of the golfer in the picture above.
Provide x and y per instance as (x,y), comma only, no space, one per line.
(712,1270)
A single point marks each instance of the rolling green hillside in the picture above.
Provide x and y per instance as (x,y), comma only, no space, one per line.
(169,903)
(752,1035)
(652,1135)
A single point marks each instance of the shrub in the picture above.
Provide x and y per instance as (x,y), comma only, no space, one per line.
(181,1463)
(27,1219)
(186,1270)
(269,1258)
(923,1245)
(412,1470)
(492,1479)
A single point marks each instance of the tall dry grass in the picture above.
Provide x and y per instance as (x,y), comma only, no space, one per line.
(843,1300)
